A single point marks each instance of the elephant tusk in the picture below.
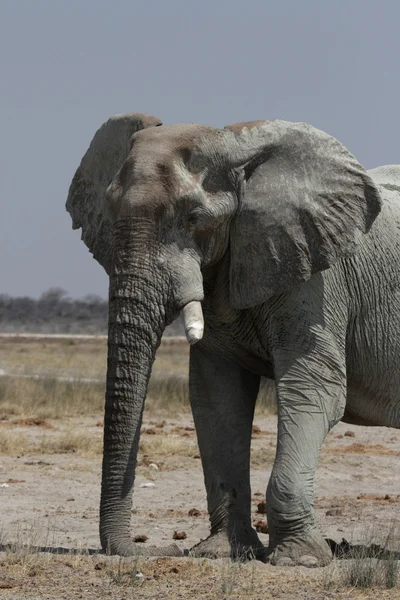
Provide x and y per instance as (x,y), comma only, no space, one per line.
(193,321)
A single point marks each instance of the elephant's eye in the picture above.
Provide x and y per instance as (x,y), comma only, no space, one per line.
(192,220)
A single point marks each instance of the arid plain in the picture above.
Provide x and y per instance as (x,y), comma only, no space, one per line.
(51,402)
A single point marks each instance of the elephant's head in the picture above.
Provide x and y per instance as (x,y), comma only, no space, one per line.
(272,202)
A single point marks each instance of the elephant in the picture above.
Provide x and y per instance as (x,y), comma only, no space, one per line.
(280,251)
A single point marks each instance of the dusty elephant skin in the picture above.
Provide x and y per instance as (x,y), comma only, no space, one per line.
(281,251)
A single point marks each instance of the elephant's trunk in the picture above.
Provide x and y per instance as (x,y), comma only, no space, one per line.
(137,317)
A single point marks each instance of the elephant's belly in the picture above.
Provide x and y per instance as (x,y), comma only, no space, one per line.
(373,395)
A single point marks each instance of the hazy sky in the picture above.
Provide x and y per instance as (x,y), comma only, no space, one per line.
(67,65)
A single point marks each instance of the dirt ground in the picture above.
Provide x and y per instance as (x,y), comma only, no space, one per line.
(52,500)
(50,468)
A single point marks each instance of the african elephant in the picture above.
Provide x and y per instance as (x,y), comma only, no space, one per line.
(276,234)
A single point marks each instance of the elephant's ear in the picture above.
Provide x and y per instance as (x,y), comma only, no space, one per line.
(304,203)
(106,154)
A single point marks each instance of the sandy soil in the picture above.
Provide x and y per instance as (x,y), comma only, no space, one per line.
(52,500)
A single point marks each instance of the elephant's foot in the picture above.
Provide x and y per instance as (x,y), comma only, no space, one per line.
(308,551)
(218,545)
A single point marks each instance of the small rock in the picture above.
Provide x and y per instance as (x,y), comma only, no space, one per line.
(149,431)
(140,539)
(194,512)
(153,466)
(179,535)
(255,429)
(387,497)
(350,434)
(174,570)
(139,575)
(7,585)
(4,485)
(152,516)
(196,456)
(261,526)
(262,508)
(149,484)
(334,512)
(71,499)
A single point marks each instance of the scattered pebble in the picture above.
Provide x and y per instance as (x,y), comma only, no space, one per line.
(334,512)
(256,429)
(350,434)
(262,507)
(179,535)
(70,499)
(4,485)
(139,575)
(149,484)
(261,526)
(194,512)
(140,539)
(153,466)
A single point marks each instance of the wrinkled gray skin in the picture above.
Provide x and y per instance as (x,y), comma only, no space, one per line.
(278,231)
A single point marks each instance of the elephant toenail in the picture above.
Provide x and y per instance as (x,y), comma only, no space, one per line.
(306,560)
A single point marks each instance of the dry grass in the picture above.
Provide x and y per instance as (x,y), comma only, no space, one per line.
(372,563)
(50,357)
(53,398)
(49,398)
(80,575)
(83,444)
(90,577)
(167,445)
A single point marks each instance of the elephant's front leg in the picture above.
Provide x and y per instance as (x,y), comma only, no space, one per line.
(223,396)
(311,398)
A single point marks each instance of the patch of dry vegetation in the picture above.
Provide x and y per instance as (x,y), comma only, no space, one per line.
(87,445)
(49,398)
(89,577)
(167,445)
(54,357)
(371,564)
(74,358)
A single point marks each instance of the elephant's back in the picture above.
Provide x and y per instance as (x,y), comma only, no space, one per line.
(387,176)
